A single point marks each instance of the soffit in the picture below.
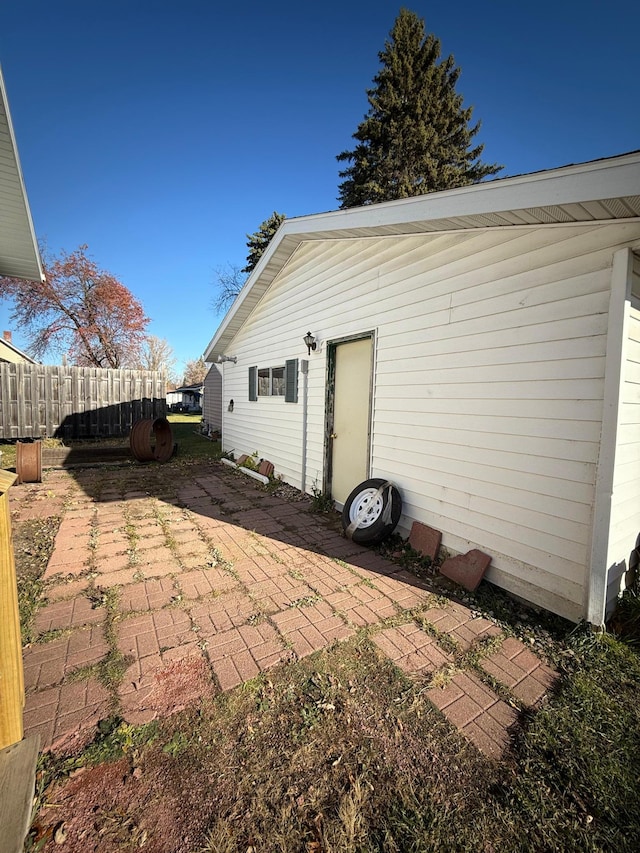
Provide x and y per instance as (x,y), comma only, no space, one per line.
(19,256)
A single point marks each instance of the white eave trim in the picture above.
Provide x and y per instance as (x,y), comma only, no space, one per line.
(550,197)
(19,253)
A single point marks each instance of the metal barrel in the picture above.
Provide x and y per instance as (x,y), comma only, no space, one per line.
(164,439)
(29,461)
(142,436)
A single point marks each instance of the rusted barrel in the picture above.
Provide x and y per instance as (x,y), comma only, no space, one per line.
(29,461)
(142,437)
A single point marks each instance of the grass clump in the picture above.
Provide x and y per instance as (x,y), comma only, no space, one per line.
(33,544)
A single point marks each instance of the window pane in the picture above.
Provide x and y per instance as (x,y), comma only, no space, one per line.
(277,381)
(263,382)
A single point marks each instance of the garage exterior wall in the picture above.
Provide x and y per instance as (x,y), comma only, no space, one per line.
(625,501)
(212,402)
(488,384)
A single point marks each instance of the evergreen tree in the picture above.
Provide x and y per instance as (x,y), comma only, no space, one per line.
(416,137)
(258,241)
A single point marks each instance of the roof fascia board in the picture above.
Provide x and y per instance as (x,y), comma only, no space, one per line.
(569,185)
(8,125)
(597,180)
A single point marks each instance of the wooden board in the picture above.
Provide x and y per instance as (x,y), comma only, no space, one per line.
(17,787)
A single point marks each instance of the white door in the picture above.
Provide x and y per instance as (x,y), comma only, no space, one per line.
(349,442)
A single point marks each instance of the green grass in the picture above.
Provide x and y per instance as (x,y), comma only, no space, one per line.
(191,443)
(185,428)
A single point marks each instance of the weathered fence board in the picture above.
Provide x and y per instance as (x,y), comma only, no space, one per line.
(38,400)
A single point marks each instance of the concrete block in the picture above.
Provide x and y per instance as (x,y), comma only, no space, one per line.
(466,569)
(425,539)
(266,468)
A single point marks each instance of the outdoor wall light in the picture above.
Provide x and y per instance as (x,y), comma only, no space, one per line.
(310,341)
(230,406)
(223,358)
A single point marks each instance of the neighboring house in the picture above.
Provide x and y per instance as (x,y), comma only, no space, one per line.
(11,353)
(480,347)
(212,401)
(187,398)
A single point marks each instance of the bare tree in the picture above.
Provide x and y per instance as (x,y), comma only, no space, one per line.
(157,354)
(194,371)
(229,282)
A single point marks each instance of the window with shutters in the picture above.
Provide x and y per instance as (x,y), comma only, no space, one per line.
(275,382)
(271,382)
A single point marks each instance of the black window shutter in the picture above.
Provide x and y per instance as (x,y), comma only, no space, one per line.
(253,383)
(291,380)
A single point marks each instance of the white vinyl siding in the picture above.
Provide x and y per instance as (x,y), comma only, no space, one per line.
(212,401)
(625,499)
(487,407)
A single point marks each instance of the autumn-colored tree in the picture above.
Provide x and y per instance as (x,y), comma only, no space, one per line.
(194,372)
(80,311)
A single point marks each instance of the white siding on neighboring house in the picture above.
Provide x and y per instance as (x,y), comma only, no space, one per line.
(625,501)
(212,402)
(488,389)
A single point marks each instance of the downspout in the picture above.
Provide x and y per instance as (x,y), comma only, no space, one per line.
(304,368)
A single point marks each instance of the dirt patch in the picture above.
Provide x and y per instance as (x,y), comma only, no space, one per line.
(172,688)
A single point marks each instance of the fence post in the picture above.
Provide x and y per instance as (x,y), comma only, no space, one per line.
(11,672)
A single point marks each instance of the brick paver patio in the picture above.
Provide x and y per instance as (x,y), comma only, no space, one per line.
(195,579)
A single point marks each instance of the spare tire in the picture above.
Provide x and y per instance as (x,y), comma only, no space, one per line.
(372,511)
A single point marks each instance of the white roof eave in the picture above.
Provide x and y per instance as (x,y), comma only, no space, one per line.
(19,255)
(611,187)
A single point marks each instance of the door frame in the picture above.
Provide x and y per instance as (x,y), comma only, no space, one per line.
(330,389)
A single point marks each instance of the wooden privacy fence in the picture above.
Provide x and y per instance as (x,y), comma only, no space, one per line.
(38,400)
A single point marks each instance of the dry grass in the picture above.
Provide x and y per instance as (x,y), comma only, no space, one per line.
(340,752)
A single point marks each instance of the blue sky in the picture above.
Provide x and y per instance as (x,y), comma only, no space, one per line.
(161,133)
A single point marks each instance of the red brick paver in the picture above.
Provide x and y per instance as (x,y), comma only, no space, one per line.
(147,595)
(188,623)
(150,633)
(46,664)
(413,650)
(362,605)
(162,684)
(521,671)
(476,711)
(62,714)
(279,592)
(460,624)
(200,582)
(222,613)
(241,653)
(309,629)
(71,613)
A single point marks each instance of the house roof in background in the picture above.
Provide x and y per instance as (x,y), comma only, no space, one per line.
(196,387)
(24,357)
(600,190)
(19,255)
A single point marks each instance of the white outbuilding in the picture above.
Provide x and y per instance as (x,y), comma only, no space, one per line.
(480,348)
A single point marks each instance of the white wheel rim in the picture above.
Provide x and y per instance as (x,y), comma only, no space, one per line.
(366,508)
